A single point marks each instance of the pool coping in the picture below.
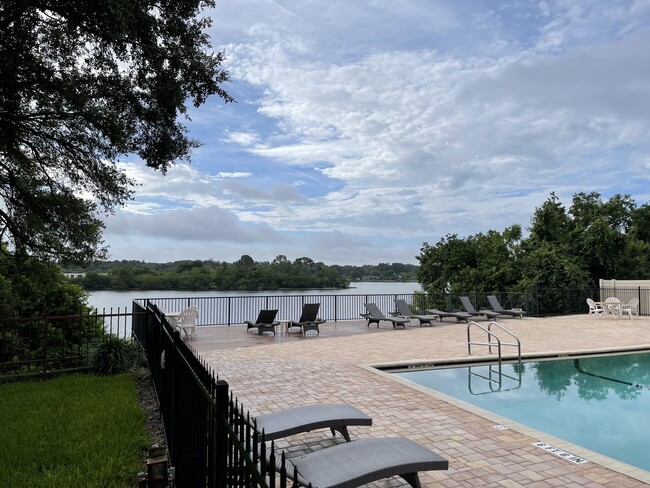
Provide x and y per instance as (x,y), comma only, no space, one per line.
(506,423)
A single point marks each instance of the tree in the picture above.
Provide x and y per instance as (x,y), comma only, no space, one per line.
(550,223)
(81,85)
(598,232)
(478,263)
(640,225)
(448,266)
(565,249)
(30,288)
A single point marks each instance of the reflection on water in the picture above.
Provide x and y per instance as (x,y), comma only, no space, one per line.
(596,378)
(482,380)
(600,403)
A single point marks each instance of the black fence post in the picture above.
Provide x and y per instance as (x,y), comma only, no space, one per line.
(221,437)
(45,343)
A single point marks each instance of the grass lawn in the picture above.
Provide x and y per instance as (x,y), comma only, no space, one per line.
(71,431)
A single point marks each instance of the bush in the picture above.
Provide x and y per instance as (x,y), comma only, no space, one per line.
(114,356)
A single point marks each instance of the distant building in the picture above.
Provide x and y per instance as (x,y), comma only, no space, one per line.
(74,275)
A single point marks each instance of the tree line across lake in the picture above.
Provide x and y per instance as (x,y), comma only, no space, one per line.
(244,274)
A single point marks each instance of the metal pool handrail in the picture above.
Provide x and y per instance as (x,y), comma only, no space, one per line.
(490,343)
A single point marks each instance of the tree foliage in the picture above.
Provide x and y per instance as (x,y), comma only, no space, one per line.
(565,248)
(243,274)
(29,288)
(81,85)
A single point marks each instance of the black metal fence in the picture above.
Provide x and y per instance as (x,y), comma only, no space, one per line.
(536,303)
(211,440)
(44,345)
(41,346)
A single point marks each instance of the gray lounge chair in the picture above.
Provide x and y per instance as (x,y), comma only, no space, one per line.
(308,319)
(472,311)
(364,461)
(374,316)
(405,311)
(335,416)
(496,306)
(265,322)
(459,316)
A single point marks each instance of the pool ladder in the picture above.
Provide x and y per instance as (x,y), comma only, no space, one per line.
(492,338)
(493,341)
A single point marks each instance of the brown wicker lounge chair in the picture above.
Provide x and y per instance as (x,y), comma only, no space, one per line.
(308,319)
(265,322)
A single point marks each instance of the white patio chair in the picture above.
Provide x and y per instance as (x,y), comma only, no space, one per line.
(187,322)
(631,308)
(595,309)
(613,307)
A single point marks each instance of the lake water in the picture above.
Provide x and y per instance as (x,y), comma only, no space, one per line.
(113,299)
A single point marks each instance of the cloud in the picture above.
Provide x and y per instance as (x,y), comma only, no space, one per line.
(203,224)
(390,124)
(243,138)
(237,174)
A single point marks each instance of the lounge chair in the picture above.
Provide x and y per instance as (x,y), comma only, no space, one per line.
(405,311)
(334,416)
(364,461)
(308,319)
(489,314)
(496,306)
(459,316)
(374,316)
(265,322)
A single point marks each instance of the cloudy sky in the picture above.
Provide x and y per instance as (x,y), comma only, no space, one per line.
(365,128)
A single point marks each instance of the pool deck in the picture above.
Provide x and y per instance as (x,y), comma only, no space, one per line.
(269,373)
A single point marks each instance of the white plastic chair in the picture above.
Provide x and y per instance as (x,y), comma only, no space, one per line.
(187,321)
(631,308)
(595,309)
(613,307)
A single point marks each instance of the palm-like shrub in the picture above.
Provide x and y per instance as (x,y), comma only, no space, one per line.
(113,356)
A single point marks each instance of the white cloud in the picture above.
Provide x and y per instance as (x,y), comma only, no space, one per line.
(237,174)
(399,123)
(243,138)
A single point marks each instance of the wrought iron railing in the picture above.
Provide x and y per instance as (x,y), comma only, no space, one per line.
(538,302)
(48,344)
(45,345)
(211,439)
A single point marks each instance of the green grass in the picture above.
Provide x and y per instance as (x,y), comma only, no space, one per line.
(72,431)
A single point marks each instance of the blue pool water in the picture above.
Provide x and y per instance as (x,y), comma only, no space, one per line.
(601,403)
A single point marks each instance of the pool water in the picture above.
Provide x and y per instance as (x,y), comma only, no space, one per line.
(600,403)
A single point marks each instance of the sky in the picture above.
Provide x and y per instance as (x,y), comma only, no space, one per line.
(364,129)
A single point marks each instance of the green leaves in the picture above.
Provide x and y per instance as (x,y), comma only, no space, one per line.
(81,85)
(565,248)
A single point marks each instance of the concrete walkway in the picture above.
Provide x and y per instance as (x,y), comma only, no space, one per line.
(269,373)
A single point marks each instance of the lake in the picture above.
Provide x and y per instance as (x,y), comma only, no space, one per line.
(114,299)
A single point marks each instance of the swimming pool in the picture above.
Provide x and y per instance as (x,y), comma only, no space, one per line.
(601,403)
